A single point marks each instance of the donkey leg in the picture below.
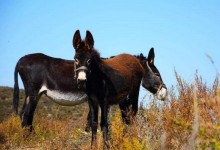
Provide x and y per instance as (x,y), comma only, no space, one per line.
(134,101)
(104,124)
(134,108)
(124,107)
(23,108)
(94,119)
(104,120)
(30,106)
(89,122)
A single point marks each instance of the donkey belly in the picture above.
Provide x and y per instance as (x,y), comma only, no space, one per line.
(65,98)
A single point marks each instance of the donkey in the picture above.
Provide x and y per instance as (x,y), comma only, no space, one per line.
(42,74)
(152,81)
(111,81)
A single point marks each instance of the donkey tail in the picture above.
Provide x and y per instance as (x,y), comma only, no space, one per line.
(16,90)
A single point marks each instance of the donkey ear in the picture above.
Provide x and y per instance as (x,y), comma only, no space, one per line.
(89,42)
(76,39)
(151,56)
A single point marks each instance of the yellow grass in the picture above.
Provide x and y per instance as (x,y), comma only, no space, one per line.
(189,119)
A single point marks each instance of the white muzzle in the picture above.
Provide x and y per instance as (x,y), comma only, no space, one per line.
(162,94)
(81,75)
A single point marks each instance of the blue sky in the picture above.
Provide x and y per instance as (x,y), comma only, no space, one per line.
(181,32)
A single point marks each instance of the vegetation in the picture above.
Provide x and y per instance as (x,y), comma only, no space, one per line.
(189,119)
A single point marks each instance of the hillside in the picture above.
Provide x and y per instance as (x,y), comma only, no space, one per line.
(189,119)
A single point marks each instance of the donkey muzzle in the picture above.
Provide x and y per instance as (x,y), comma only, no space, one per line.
(81,80)
(162,93)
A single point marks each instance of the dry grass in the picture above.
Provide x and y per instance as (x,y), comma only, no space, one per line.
(189,119)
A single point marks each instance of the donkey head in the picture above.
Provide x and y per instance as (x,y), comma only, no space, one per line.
(83,49)
(152,80)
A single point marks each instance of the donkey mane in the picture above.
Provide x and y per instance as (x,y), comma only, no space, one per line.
(96,55)
(141,57)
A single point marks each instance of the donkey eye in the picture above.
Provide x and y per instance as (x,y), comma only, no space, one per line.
(76,61)
(89,61)
(157,74)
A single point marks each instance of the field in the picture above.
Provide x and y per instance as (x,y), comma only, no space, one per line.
(188,119)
